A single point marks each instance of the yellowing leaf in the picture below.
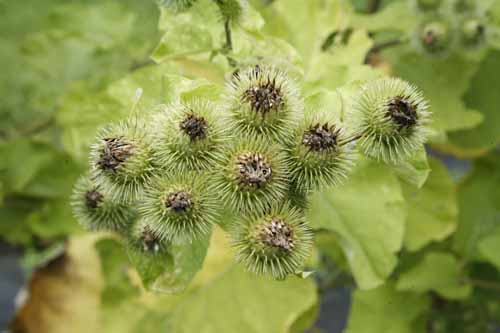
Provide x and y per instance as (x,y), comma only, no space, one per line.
(64,296)
(245,303)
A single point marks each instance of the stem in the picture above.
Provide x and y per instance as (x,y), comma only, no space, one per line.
(227,26)
(484,284)
(349,140)
(383,45)
(37,128)
(373,6)
(227,29)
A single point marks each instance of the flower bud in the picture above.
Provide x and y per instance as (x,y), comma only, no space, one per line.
(189,137)
(391,119)
(264,102)
(253,175)
(96,211)
(319,154)
(435,36)
(473,32)
(179,208)
(121,160)
(275,243)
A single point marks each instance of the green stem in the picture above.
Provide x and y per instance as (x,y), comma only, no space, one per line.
(227,29)
(484,284)
(382,46)
(37,128)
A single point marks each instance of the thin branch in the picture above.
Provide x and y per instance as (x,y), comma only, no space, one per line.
(37,128)
(227,29)
(484,284)
(382,46)
(351,139)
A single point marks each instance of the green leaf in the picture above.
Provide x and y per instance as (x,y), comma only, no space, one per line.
(415,170)
(172,270)
(187,260)
(385,310)
(489,247)
(249,49)
(147,86)
(369,214)
(13,214)
(54,219)
(237,301)
(342,64)
(95,41)
(118,286)
(483,97)
(56,179)
(2,193)
(198,30)
(81,113)
(35,258)
(432,210)
(182,89)
(251,19)
(397,16)
(478,200)
(437,271)
(21,161)
(307,23)
(306,320)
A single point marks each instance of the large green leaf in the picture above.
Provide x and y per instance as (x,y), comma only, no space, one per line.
(237,301)
(437,271)
(482,96)
(478,199)
(369,214)
(432,210)
(385,310)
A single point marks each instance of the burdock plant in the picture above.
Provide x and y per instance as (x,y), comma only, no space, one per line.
(253,154)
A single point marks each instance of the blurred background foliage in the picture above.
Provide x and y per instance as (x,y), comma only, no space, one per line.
(419,245)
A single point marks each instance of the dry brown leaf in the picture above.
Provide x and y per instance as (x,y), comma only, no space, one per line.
(64,295)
